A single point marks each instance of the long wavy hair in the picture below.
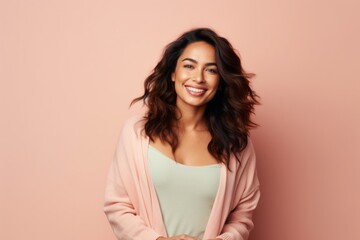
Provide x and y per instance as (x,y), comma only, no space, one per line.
(228,114)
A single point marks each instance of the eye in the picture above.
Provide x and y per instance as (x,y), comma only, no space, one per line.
(189,66)
(212,70)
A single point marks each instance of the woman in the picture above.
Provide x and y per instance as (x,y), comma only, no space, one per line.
(186,169)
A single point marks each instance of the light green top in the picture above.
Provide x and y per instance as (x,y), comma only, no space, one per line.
(186,193)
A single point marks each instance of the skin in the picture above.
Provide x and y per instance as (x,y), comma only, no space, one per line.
(196,67)
(196,81)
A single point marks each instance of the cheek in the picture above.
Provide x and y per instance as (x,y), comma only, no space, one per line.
(182,74)
(215,83)
(178,86)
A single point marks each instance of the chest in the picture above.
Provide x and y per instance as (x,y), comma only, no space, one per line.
(192,149)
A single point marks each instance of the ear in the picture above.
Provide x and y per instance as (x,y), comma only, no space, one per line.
(173,77)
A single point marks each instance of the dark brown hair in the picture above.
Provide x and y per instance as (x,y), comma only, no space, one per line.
(227,114)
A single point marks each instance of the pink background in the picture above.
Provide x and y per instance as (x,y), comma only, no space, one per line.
(69,69)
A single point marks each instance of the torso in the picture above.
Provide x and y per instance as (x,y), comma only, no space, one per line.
(192,148)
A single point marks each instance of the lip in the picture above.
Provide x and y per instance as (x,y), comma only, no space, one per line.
(195,91)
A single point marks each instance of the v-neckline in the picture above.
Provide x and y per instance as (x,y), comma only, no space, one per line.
(181,164)
(160,152)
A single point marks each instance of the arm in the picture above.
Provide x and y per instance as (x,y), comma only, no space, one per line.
(239,222)
(119,206)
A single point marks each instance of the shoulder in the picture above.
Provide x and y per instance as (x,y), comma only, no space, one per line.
(133,126)
(245,172)
(249,149)
(247,156)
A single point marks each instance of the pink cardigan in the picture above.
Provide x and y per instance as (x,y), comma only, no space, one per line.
(132,207)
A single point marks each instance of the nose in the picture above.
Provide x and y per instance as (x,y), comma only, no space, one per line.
(198,76)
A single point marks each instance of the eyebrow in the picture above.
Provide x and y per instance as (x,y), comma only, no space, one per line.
(194,61)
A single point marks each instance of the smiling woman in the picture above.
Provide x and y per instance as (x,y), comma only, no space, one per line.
(186,169)
(195,76)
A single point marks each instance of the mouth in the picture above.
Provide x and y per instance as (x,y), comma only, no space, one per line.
(195,91)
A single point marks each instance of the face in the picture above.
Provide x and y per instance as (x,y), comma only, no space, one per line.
(196,76)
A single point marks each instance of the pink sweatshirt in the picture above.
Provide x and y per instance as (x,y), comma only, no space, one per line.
(132,207)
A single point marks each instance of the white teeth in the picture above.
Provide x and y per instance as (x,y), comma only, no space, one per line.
(195,89)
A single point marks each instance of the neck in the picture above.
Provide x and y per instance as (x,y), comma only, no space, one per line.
(191,118)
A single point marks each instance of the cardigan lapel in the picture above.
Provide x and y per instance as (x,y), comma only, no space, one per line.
(154,205)
(218,213)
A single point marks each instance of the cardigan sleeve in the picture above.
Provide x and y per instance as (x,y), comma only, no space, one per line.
(119,207)
(239,222)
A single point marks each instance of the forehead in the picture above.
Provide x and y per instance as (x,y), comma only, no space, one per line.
(199,51)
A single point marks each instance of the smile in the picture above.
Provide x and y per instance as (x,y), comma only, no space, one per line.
(195,91)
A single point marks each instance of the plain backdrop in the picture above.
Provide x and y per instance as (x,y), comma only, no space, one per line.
(69,69)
